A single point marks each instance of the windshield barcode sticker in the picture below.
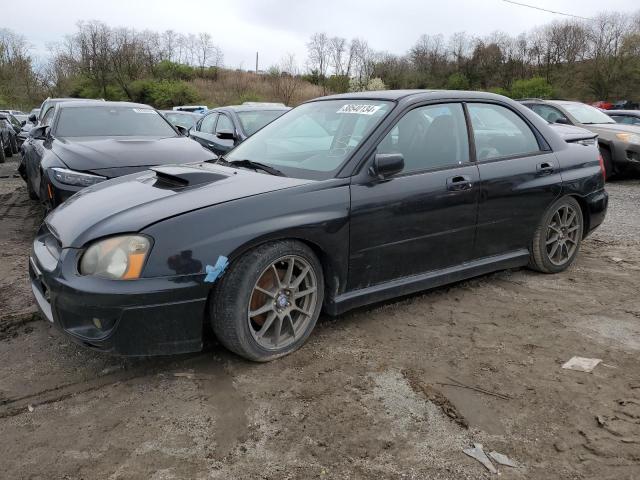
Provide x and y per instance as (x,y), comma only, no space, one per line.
(143,110)
(359,109)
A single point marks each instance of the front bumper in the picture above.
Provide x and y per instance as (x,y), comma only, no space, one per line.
(148,316)
(627,157)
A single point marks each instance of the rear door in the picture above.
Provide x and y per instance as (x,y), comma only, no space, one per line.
(424,218)
(204,131)
(519,178)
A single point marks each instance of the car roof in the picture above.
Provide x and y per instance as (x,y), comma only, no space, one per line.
(181,112)
(101,104)
(252,108)
(633,113)
(395,95)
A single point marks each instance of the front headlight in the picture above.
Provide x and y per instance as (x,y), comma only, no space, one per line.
(78,179)
(628,137)
(116,258)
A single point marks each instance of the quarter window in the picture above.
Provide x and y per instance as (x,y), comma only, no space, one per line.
(208,123)
(429,137)
(499,132)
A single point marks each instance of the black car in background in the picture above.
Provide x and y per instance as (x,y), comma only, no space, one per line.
(619,144)
(344,201)
(182,119)
(8,136)
(223,128)
(80,143)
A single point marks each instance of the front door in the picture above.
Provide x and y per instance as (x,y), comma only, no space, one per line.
(204,131)
(424,218)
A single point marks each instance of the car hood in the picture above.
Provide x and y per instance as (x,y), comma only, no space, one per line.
(101,155)
(132,202)
(609,130)
(570,133)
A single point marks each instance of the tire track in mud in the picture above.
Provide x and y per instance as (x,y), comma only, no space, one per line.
(10,407)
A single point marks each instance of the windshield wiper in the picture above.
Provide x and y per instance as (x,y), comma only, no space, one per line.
(253,165)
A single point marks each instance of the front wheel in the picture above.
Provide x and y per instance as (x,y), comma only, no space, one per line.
(268,303)
(607,161)
(557,239)
(2,156)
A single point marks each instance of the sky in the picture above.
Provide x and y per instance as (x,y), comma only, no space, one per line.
(278,27)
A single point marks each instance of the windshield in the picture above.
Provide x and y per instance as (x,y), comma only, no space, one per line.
(253,121)
(587,114)
(182,119)
(314,139)
(102,121)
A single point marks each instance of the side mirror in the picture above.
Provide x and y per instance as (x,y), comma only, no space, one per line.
(184,131)
(386,165)
(562,121)
(226,134)
(40,133)
(33,118)
(23,123)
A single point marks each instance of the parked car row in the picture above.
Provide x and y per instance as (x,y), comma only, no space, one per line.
(343,201)
(619,143)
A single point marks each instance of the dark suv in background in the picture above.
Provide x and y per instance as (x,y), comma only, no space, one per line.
(223,128)
(619,144)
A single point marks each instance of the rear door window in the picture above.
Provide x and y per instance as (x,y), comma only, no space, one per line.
(550,114)
(224,123)
(499,132)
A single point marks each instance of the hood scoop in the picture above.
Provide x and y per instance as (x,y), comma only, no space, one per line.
(177,176)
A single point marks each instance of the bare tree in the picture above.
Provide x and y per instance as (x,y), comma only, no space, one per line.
(285,79)
(337,49)
(319,52)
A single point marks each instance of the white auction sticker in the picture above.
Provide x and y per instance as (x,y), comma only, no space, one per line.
(143,110)
(359,109)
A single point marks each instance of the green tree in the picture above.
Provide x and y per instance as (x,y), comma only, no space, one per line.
(536,87)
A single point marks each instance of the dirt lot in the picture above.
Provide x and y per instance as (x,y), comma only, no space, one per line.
(365,398)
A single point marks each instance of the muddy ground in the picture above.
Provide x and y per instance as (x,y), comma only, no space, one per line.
(372,394)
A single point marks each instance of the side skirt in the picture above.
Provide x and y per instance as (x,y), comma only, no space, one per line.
(425,281)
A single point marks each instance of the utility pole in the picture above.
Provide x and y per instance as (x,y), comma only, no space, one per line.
(256,63)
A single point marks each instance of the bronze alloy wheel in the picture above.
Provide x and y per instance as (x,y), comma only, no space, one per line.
(562,235)
(283,302)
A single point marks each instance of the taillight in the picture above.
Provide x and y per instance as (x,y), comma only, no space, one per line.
(602,170)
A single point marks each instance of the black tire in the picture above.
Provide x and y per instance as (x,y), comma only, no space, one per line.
(552,232)
(230,305)
(8,152)
(14,145)
(608,162)
(2,156)
(32,193)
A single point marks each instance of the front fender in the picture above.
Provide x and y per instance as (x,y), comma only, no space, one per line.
(315,213)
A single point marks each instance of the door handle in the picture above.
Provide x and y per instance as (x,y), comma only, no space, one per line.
(459,182)
(544,168)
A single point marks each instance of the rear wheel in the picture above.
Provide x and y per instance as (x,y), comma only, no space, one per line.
(14,145)
(268,303)
(8,152)
(557,239)
(30,190)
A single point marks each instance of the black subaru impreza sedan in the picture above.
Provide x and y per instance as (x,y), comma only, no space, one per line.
(343,201)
